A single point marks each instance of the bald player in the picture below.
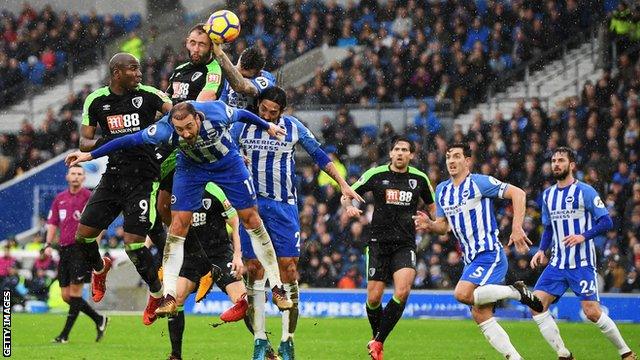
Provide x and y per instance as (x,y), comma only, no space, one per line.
(130,183)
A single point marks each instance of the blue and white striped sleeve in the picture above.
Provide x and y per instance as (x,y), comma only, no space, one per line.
(490,186)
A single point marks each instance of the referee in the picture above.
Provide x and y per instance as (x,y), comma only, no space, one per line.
(73,269)
(391,254)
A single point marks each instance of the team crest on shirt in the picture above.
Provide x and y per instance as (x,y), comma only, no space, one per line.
(372,271)
(137,102)
(569,199)
(598,202)
(413,183)
(196,75)
(465,193)
(206,203)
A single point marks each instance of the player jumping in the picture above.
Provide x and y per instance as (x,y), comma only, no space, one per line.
(130,183)
(391,254)
(207,154)
(272,166)
(208,243)
(464,205)
(572,214)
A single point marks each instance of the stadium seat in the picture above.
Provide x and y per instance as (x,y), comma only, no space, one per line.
(370,130)
(133,22)
(118,20)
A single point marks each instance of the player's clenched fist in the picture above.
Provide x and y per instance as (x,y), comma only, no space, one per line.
(77,157)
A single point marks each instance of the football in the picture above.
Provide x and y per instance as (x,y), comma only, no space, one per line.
(223,26)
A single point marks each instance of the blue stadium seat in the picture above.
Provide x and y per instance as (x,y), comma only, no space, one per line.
(133,22)
(118,20)
(508,60)
(431,102)
(61,60)
(354,170)
(84,19)
(24,68)
(370,130)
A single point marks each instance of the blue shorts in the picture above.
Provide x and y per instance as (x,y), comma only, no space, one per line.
(282,223)
(190,180)
(489,267)
(581,280)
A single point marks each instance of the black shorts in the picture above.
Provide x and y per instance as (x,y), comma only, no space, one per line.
(384,260)
(73,267)
(166,183)
(133,196)
(196,265)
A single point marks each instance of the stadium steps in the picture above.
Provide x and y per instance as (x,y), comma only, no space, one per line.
(54,98)
(554,82)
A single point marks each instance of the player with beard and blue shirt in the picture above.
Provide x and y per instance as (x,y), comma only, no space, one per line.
(200,130)
(573,215)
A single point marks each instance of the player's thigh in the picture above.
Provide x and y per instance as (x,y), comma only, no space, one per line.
(378,264)
(102,208)
(188,188)
(552,281)
(402,282)
(75,290)
(235,290)
(281,221)
(139,205)
(583,282)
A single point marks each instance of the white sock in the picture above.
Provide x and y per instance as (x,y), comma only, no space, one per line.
(499,339)
(610,330)
(171,263)
(489,294)
(266,254)
(551,333)
(259,299)
(290,317)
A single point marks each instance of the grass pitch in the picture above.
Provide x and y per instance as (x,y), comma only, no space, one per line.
(128,338)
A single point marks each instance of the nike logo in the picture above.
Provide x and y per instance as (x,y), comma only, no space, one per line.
(265,244)
(80,278)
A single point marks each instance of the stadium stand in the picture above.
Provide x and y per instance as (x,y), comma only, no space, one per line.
(37,49)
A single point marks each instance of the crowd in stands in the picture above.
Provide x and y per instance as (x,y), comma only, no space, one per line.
(37,47)
(31,286)
(601,125)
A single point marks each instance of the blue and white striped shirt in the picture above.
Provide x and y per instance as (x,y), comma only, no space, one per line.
(235,99)
(469,210)
(272,161)
(572,210)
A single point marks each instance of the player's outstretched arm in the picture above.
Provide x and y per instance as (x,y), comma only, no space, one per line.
(349,208)
(518,237)
(233,75)
(251,118)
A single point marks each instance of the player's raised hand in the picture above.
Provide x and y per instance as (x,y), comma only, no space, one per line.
(276,131)
(520,240)
(538,259)
(353,211)
(573,240)
(77,157)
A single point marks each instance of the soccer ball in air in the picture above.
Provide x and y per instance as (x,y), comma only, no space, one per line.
(223,26)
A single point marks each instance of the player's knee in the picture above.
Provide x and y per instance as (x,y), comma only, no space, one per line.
(251,219)
(463,296)
(592,312)
(289,272)
(374,299)
(66,298)
(254,269)
(402,294)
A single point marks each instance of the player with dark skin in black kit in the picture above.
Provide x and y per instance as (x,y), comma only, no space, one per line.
(130,183)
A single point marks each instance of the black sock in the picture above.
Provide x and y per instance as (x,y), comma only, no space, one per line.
(176,328)
(390,316)
(83,306)
(92,253)
(74,310)
(374,315)
(143,260)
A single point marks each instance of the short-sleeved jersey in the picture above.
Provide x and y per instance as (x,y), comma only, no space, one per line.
(241,101)
(395,202)
(469,210)
(213,147)
(572,210)
(208,224)
(119,115)
(188,80)
(65,213)
(272,161)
